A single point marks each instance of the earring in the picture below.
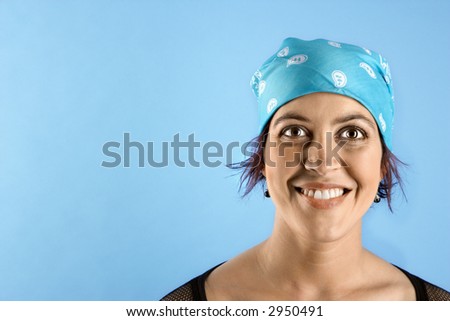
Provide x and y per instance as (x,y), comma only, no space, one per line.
(266,193)
(377,199)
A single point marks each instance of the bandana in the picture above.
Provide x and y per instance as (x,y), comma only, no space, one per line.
(302,67)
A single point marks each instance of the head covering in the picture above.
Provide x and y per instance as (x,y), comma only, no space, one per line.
(302,67)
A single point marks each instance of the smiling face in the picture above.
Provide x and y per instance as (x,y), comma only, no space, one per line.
(322,164)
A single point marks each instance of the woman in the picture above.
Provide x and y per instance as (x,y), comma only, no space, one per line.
(324,151)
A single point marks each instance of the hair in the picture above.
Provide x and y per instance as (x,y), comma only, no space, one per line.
(252,169)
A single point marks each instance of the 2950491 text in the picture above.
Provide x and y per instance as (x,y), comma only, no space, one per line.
(293,310)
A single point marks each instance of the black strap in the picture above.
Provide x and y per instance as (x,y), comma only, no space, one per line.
(419,285)
(198,284)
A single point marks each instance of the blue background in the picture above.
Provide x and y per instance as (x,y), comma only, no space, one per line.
(77,74)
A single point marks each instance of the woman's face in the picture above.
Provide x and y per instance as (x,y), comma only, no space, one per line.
(322,164)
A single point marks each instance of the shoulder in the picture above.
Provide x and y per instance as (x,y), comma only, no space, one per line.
(426,291)
(194,290)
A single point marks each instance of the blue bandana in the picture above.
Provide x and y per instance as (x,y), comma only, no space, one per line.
(303,67)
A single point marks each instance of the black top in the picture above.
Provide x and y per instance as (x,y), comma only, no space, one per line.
(194,290)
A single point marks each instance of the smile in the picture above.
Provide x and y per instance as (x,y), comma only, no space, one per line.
(322,194)
(323,197)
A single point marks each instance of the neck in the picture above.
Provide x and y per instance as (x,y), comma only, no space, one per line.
(301,264)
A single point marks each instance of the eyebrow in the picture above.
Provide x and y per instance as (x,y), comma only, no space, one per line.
(343,119)
(347,118)
(291,115)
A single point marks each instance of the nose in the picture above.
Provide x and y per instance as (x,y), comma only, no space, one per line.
(321,155)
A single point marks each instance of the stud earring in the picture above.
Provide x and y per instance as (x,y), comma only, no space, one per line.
(266,193)
(377,199)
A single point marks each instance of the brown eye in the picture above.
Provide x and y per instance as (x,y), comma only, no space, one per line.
(352,133)
(293,132)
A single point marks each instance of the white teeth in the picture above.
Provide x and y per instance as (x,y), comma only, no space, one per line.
(332,193)
(318,194)
(323,194)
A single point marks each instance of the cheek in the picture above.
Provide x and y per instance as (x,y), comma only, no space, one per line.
(282,155)
(281,160)
(365,167)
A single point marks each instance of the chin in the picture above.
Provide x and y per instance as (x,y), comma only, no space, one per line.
(328,225)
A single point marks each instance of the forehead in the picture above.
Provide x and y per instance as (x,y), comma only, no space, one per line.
(323,107)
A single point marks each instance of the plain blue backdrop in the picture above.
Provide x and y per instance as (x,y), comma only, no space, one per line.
(77,74)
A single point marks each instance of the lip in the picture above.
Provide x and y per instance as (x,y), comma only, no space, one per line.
(317,185)
(321,203)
